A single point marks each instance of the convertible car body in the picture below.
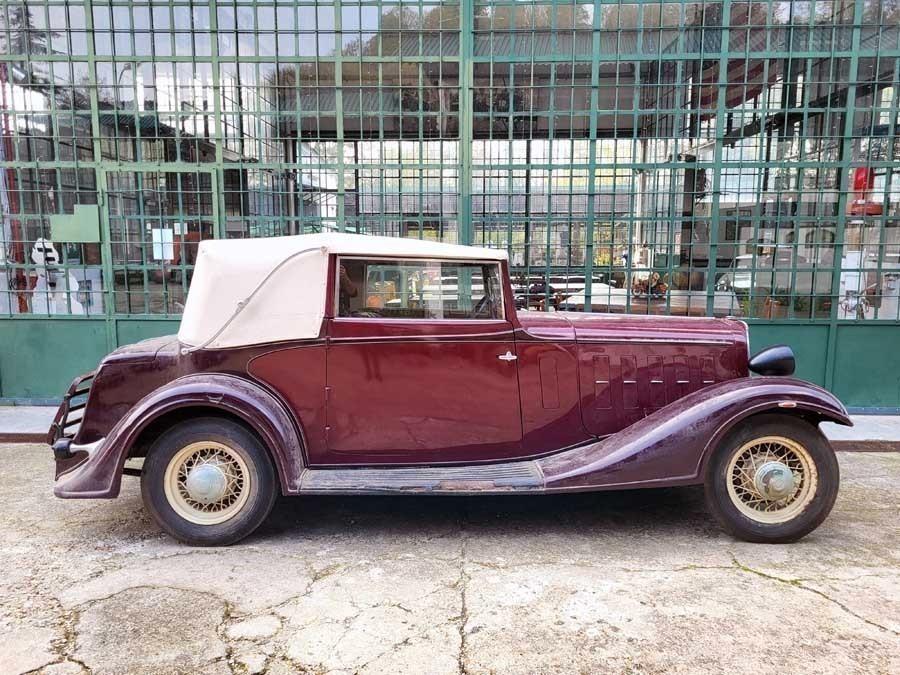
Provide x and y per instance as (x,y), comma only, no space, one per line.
(340,363)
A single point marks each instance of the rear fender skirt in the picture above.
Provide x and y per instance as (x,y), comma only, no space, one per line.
(101,475)
(671,446)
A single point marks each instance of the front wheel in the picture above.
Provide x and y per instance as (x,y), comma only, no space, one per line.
(208,482)
(773,480)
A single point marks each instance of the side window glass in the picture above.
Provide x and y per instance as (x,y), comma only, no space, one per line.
(419,289)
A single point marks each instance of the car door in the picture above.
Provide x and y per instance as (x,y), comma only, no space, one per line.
(421,365)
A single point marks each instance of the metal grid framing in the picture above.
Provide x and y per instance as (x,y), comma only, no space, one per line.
(694,158)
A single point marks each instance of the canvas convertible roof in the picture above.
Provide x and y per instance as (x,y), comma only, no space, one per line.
(281,282)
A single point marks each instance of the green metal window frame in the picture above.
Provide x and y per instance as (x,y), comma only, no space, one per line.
(573,134)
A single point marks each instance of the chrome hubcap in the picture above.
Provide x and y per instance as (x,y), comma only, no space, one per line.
(206,483)
(774,481)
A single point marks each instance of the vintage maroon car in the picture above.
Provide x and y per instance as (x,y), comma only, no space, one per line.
(345,364)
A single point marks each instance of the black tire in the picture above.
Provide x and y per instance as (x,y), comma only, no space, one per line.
(735,521)
(256,505)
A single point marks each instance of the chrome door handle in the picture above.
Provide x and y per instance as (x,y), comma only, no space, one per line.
(508,356)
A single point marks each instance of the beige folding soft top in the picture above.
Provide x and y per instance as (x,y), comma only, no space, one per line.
(251,291)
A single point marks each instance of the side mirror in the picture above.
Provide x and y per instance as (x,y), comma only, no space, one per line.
(777,360)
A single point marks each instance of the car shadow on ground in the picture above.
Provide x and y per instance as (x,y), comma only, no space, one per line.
(630,510)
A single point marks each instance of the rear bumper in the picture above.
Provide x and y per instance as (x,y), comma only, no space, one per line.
(77,469)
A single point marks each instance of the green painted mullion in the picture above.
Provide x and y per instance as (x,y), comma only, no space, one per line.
(143,219)
(843,191)
(218,196)
(593,188)
(678,121)
(466,131)
(340,195)
(884,195)
(715,213)
(109,296)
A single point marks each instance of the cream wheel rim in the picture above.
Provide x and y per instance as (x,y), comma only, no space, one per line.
(207,483)
(771,479)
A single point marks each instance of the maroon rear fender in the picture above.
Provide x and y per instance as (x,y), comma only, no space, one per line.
(100,474)
(671,445)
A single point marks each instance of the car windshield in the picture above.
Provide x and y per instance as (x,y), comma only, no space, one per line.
(419,289)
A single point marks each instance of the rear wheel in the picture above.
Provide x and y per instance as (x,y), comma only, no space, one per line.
(773,480)
(208,482)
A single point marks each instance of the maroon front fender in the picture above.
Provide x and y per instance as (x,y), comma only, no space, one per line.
(671,445)
(100,475)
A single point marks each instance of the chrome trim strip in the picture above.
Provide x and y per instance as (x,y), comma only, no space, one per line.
(601,341)
(472,337)
(419,322)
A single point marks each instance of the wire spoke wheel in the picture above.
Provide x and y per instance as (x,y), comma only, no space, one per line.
(771,479)
(207,482)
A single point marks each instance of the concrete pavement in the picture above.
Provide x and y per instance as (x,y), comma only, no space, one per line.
(631,582)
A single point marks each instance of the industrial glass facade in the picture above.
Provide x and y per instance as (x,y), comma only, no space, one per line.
(688,158)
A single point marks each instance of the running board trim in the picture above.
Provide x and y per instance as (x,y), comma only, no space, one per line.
(506,477)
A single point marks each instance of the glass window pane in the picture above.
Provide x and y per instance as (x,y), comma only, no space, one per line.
(384,289)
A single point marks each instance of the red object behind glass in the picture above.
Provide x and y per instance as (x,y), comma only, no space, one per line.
(863,180)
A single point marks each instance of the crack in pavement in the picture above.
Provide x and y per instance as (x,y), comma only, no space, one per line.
(227,616)
(63,647)
(599,565)
(797,583)
(463,586)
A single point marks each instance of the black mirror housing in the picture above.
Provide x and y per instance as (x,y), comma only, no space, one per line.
(777,360)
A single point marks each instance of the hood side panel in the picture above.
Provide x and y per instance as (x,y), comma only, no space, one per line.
(631,365)
(623,382)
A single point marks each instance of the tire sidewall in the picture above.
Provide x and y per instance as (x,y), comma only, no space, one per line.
(261,474)
(828,479)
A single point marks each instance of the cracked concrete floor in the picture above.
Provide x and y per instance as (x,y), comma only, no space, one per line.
(639,582)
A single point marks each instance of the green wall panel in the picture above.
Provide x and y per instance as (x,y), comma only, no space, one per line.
(867,365)
(808,342)
(40,357)
(135,330)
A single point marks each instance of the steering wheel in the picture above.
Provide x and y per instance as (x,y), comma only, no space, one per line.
(485,307)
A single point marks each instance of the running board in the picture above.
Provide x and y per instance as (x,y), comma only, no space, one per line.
(506,477)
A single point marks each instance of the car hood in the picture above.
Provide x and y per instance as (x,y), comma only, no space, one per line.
(591,327)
